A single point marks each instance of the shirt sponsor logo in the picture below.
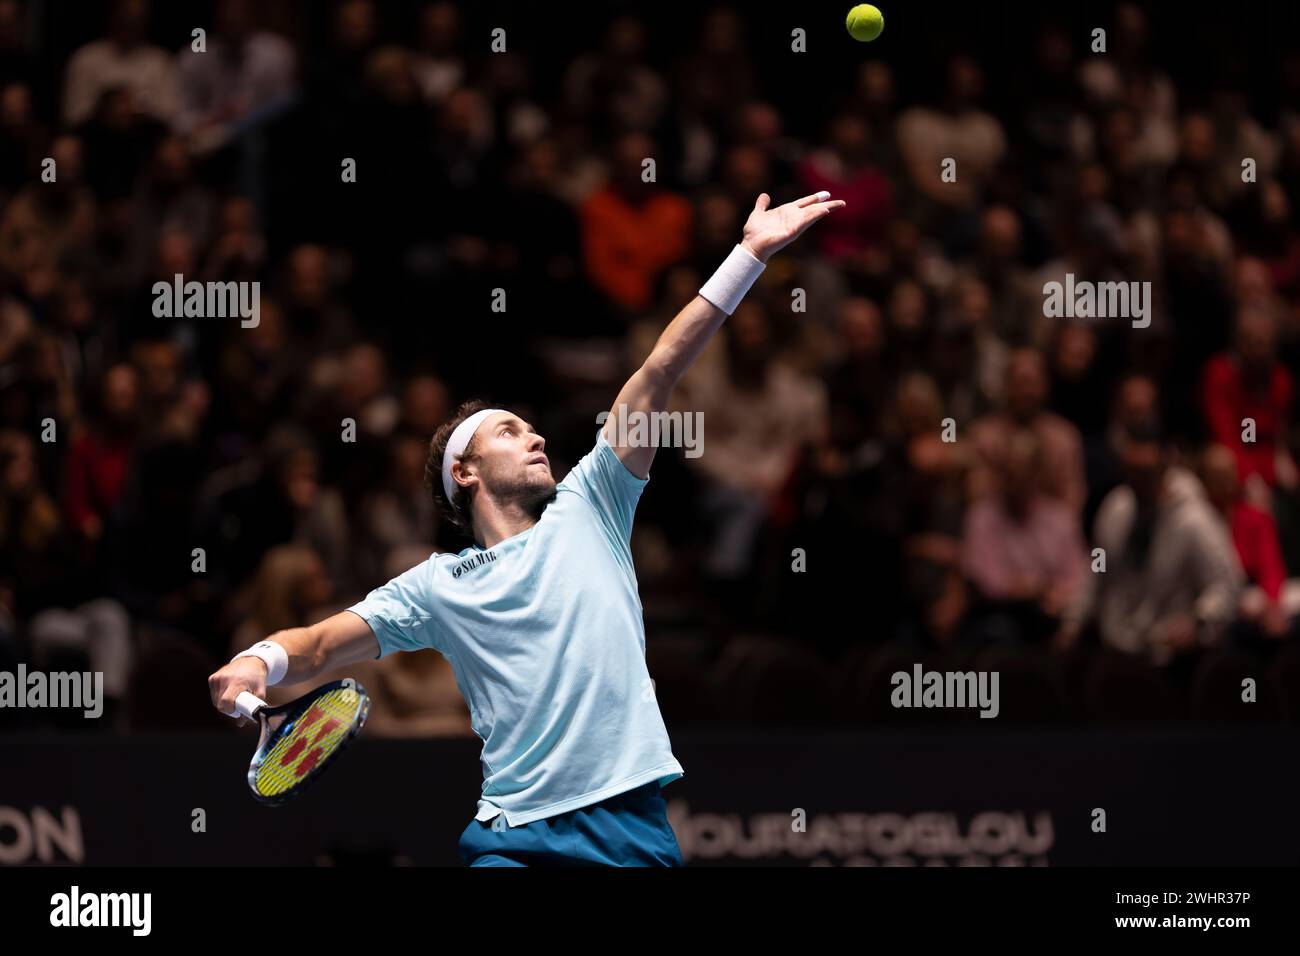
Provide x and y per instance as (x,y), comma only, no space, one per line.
(475,561)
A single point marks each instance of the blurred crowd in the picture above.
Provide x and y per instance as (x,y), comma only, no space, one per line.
(902,455)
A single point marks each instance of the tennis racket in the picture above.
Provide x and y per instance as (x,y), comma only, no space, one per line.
(301,738)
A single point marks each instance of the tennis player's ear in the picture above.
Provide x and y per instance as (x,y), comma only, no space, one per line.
(463,473)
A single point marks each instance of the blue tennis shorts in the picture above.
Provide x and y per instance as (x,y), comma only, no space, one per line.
(627,829)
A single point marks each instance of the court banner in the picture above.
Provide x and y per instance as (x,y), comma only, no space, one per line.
(1123,797)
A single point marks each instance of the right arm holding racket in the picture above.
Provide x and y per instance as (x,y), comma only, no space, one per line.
(341,639)
(297,740)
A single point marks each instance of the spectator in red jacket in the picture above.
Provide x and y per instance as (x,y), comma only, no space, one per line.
(1254,536)
(99,459)
(844,168)
(1250,383)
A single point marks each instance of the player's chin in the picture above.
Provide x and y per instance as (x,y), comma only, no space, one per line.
(539,481)
(539,493)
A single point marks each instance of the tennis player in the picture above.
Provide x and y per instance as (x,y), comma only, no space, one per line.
(540,618)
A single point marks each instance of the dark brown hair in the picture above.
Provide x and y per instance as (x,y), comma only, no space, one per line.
(457,507)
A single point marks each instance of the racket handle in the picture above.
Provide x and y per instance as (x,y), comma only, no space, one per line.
(248,704)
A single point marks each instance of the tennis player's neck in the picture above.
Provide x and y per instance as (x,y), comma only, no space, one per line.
(494,533)
(498,521)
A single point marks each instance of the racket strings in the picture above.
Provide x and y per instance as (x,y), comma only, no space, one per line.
(308,741)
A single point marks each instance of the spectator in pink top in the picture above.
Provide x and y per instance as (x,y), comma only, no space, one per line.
(1021,550)
(1024,406)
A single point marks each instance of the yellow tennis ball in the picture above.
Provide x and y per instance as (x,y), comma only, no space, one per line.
(865,22)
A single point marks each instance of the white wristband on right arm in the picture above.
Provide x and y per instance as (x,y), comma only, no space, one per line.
(732,280)
(273,655)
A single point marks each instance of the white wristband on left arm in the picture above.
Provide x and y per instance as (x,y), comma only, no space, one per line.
(733,279)
(273,655)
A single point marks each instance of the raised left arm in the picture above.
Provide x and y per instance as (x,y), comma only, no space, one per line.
(651,386)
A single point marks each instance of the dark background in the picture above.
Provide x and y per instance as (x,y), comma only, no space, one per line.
(197,433)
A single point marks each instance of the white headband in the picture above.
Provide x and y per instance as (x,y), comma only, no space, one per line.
(459,441)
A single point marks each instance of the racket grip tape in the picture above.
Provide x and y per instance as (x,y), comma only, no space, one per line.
(247,705)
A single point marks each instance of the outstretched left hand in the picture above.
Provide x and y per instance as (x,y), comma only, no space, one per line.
(768,230)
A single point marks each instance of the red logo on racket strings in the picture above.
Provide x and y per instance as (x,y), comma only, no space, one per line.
(308,761)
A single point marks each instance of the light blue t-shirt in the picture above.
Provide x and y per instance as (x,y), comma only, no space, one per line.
(545,636)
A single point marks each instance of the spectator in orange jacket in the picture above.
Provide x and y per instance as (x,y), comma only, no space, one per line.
(632,230)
